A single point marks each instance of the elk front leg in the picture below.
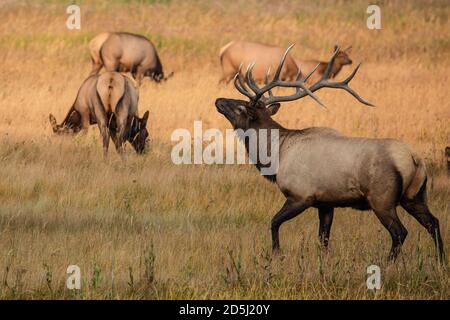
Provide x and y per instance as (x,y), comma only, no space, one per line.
(139,75)
(290,210)
(326,220)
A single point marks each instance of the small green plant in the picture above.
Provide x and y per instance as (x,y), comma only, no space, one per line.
(96,276)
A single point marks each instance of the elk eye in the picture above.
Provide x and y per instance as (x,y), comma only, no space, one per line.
(239,110)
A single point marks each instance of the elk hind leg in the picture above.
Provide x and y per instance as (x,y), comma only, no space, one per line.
(390,220)
(418,208)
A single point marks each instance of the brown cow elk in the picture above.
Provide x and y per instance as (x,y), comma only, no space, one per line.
(321,168)
(307,66)
(109,100)
(126,52)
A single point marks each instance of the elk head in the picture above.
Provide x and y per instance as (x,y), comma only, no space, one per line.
(72,123)
(259,109)
(138,134)
(342,57)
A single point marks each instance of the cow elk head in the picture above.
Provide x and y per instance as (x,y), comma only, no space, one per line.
(138,134)
(342,57)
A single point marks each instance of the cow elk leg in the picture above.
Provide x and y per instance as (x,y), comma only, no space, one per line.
(118,141)
(139,76)
(105,136)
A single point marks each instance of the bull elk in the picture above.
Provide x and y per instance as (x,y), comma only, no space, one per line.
(235,53)
(321,168)
(126,52)
(306,66)
(109,100)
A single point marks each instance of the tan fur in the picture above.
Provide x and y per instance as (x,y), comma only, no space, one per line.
(110,87)
(264,56)
(94,48)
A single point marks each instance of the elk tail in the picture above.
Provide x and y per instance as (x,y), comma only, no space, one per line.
(110,88)
(223,49)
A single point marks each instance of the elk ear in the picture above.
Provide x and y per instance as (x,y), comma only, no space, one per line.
(335,48)
(145,118)
(447,151)
(53,122)
(348,49)
(273,108)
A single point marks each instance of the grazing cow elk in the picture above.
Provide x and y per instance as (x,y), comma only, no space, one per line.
(126,52)
(321,168)
(307,66)
(235,53)
(109,100)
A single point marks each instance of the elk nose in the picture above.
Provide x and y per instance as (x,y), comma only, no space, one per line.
(220,103)
(350,61)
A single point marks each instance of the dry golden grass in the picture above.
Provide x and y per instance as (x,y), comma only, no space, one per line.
(145,228)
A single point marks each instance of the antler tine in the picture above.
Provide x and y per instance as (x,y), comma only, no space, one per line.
(280,66)
(297,95)
(251,81)
(310,74)
(244,86)
(344,85)
(326,74)
(267,81)
(238,83)
(324,83)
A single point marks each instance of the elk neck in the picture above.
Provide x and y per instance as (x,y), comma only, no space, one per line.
(267,124)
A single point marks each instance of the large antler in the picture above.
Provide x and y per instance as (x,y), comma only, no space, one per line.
(249,88)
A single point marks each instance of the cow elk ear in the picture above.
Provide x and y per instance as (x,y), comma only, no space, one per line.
(335,48)
(447,151)
(273,108)
(53,122)
(145,118)
(348,50)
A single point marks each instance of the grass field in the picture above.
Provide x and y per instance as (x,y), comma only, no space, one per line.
(143,227)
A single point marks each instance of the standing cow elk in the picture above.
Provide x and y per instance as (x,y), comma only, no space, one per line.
(307,66)
(321,168)
(126,52)
(235,53)
(109,100)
